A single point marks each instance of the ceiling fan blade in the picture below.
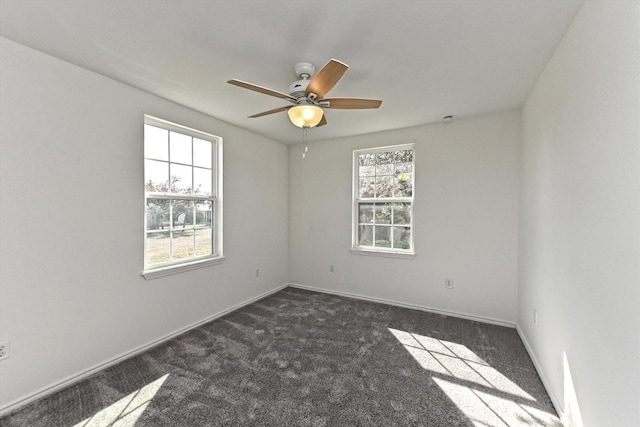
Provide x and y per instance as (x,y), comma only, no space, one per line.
(265,113)
(326,78)
(261,89)
(323,121)
(350,103)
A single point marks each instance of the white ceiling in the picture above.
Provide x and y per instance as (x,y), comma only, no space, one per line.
(424,59)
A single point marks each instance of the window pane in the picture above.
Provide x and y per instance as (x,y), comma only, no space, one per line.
(384,158)
(204,214)
(402,237)
(182,214)
(366,186)
(383,213)
(403,168)
(158,247)
(384,186)
(202,153)
(180,148)
(157,214)
(181,179)
(204,241)
(384,170)
(383,236)
(156,175)
(367,159)
(365,213)
(182,244)
(403,186)
(367,171)
(402,213)
(156,143)
(403,156)
(365,235)
(202,181)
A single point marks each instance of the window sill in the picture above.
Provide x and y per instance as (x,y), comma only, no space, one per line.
(385,254)
(180,268)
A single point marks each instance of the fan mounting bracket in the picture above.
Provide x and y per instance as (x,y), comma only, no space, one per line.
(304,70)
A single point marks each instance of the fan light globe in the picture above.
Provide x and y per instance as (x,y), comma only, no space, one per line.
(305,116)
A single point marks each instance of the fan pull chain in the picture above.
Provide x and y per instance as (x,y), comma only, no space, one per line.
(304,142)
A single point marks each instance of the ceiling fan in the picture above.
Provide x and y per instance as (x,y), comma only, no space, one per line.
(307,94)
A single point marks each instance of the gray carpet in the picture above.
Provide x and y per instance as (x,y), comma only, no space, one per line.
(300,358)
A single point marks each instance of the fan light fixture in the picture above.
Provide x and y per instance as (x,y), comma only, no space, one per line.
(305,116)
(308,94)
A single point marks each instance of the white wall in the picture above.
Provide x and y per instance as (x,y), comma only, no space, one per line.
(466,218)
(71,221)
(580,218)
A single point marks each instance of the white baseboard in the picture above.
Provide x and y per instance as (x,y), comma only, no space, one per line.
(12,406)
(407,305)
(545,383)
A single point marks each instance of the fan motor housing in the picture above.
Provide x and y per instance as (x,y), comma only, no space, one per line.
(298,88)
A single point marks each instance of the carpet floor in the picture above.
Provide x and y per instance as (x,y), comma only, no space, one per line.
(301,358)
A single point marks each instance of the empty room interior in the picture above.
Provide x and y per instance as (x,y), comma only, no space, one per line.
(450,237)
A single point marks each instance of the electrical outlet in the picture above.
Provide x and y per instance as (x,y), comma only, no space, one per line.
(4,350)
(448,283)
(257,272)
(331,269)
(535,316)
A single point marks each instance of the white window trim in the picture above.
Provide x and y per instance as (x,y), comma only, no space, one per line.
(209,260)
(180,268)
(383,253)
(376,251)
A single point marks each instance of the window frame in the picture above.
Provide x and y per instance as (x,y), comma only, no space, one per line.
(152,271)
(356,249)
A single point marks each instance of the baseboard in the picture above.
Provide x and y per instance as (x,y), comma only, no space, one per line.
(69,381)
(545,383)
(407,305)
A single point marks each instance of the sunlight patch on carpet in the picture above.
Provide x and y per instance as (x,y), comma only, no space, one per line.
(126,411)
(484,395)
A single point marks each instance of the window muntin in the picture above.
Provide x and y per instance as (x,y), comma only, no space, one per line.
(383,199)
(182,195)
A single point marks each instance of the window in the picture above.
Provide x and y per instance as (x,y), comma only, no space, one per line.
(383,201)
(183,203)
